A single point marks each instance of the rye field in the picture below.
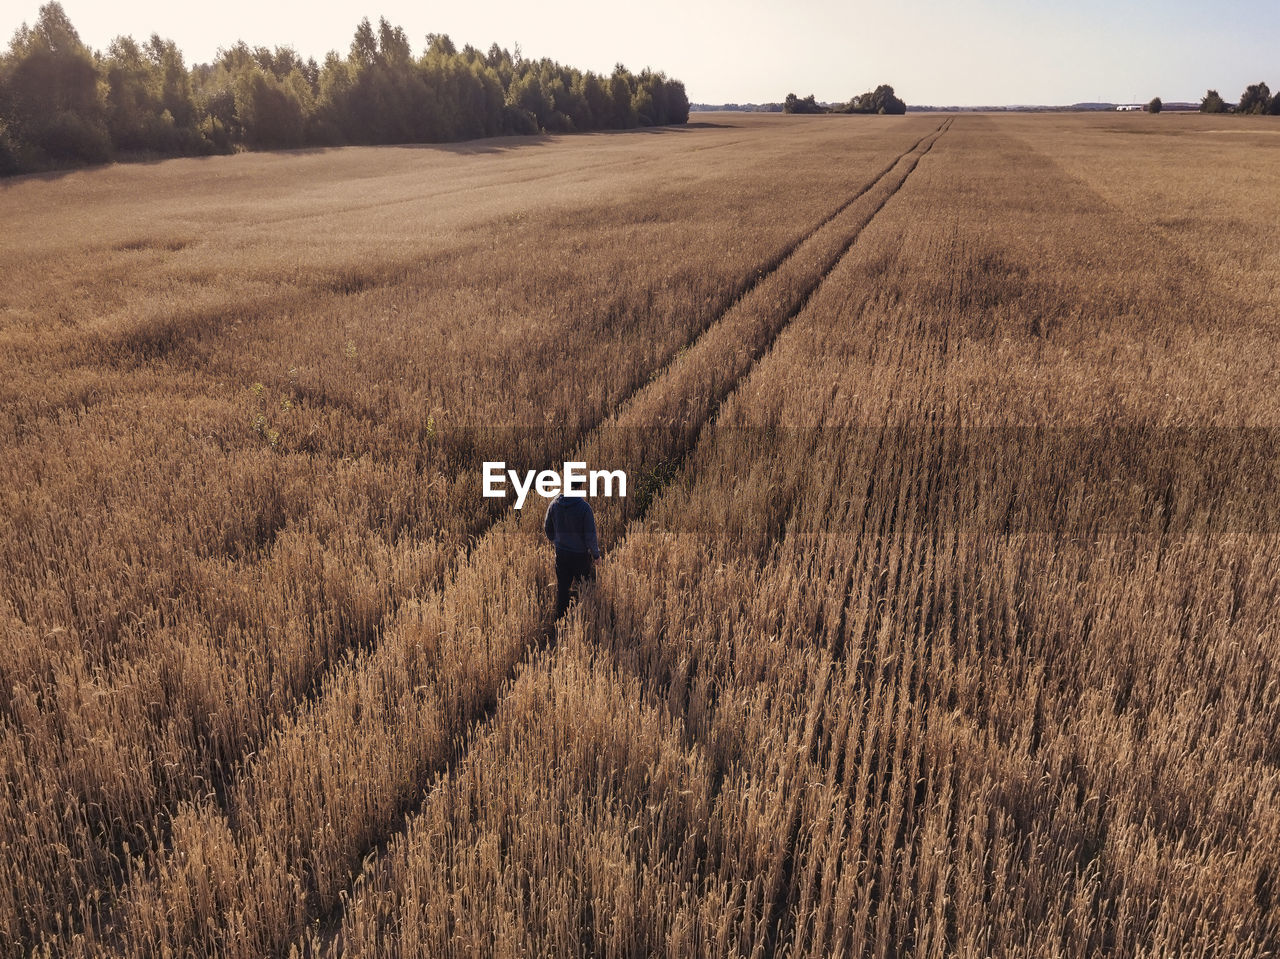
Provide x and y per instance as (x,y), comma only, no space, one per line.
(941,618)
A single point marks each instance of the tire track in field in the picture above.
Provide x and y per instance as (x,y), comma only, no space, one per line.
(330,924)
(752,281)
(416,679)
(150,340)
(315,687)
(661,371)
(762,276)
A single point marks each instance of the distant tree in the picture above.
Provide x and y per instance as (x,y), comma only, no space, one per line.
(557,118)
(678,102)
(271,111)
(11,158)
(595,95)
(1155,106)
(175,81)
(215,106)
(880,100)
(526,95)
(1274,107)
(795,104)
(1255,99)
(440,44)
(620,116)
(133,96)
(499,61)
(61,103)
(50,98)
(642,106)
(149,98)
(659,99)
(364,45)
(1211,102)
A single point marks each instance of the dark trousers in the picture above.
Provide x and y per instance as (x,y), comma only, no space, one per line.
(570,568)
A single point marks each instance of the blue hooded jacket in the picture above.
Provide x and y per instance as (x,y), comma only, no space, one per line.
(571,525)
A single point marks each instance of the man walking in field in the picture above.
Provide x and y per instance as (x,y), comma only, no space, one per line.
(571,525)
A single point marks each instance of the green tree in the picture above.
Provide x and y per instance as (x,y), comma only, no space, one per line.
(795,104)
(384,96)
(133,95)
(53,107)
(670,103)
(499,61)
(149,100)
(1155,106)
(880,100)
(620,115)
(1211,102)
(270,111)
(61,103)
(595,94)
(174,80)
(677,102)
(526,95)
(1255,99)
(440,45)
(328,125)
(215,106)
(642,106)
(364,45)
(393,45)
(11,151)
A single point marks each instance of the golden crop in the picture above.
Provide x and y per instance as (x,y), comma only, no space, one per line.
(941,618)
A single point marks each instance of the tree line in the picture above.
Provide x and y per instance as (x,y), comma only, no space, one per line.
(1256,99)
(62,104)
(880,100)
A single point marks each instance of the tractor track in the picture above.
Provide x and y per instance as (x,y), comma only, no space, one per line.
(663,371)
(329,926)
(752,317)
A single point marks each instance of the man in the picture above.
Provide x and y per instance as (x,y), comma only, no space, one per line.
(571,525)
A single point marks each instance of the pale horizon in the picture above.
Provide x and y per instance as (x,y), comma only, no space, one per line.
(987,53)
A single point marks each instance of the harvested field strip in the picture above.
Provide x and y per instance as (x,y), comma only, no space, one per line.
(568,174)
(439,668)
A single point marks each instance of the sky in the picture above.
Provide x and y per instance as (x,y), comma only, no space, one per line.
(979,52)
